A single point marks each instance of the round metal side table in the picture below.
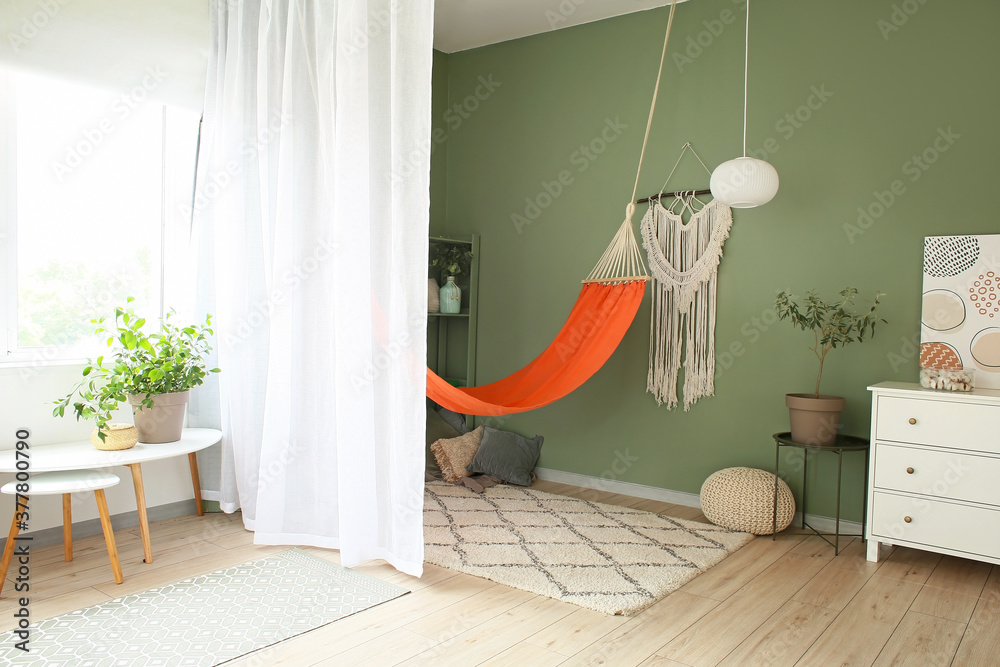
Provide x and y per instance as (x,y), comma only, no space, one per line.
(843,443)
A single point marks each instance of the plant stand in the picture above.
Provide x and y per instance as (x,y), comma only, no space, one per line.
(843,443)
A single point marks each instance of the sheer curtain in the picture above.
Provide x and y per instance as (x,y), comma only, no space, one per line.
(311,220)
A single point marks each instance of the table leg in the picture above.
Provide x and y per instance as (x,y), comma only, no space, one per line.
(67,527)
(8,549)
(805,477)
(836,539)
(140,505)
(109,535)
(193,462)
(774,507)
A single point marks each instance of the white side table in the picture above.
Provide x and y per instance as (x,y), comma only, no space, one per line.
(81,455)
(65,483)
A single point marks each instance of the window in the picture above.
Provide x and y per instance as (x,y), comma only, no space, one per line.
(85,177)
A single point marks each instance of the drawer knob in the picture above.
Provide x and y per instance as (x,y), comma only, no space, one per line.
(907,519)
(912,420)
(909,471)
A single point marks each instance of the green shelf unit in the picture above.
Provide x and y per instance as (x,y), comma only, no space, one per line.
(451,338)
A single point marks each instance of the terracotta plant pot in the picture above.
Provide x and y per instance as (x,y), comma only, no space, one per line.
(814,421)
(164,421)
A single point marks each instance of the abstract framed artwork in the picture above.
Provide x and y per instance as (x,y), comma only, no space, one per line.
(960,309)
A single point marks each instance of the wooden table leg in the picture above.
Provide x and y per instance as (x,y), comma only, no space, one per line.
(8,549)
(68,526)
(109,535)
(140,505)
(193,462)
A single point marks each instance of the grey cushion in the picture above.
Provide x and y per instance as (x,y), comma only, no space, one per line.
(507,455)
(437,429)
(455,420)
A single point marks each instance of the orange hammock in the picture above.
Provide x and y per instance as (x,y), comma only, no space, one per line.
(602,314)
(599,319)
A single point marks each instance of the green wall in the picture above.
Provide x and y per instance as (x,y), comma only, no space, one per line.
(886,96)
(439,140)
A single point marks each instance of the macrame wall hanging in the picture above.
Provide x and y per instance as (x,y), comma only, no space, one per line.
(683,242)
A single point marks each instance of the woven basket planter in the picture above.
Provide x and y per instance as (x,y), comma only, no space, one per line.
(116,437)
(743,499)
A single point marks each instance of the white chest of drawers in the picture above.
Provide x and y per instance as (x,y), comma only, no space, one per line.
(934,477)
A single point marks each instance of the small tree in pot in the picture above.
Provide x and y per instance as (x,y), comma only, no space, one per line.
(815,417)
(154,372)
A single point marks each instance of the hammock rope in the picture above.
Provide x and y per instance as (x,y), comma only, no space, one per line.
(604,311)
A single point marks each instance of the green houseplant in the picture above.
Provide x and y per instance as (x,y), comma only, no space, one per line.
(449,259)
(815,417)
(152,371)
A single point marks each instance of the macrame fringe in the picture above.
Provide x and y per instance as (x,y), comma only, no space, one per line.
(684,262)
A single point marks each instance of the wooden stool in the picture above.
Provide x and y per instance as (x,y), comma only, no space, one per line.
(65,483)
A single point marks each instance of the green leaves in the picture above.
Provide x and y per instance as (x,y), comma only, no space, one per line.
(450,258)
(833,323)
(167,361)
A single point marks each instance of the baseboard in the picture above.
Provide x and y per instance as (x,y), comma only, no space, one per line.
(616,486)
(824,524)
(90,527)
(827,524)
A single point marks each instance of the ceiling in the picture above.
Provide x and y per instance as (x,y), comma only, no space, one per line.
(466,24)
(114,42)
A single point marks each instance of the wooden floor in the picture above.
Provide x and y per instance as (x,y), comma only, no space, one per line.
(784,602)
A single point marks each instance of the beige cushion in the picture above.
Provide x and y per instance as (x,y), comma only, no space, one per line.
(454,454)
(437,429)
(743,499)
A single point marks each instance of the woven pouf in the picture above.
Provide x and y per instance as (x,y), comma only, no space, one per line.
(743,499)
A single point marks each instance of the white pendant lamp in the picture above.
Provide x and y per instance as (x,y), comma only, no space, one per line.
(744,182)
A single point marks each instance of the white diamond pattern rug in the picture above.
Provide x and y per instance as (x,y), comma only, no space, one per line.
(616,560)
(205,620)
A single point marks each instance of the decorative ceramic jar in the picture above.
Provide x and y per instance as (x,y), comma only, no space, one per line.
(451,297)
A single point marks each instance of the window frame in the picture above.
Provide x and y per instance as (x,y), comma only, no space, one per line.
(11,354)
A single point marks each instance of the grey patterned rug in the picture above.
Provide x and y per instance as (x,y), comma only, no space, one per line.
(616,560)
(205,620)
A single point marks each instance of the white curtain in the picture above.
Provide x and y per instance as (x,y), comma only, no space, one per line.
(311,215)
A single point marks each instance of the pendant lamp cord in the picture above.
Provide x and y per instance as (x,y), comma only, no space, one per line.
(746,69)
(630,209)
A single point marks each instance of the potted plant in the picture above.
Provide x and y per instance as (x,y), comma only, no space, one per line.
(153,372)
(815,418)
(450,259)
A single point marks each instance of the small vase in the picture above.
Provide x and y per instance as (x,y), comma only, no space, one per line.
(451,297)
(433,296)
